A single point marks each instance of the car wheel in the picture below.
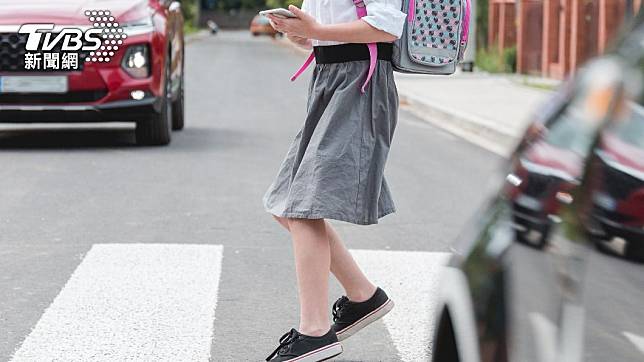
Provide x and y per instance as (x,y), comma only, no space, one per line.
(156,131)
(634,252)
(178,106)
(255,34)
(467,67)
(445,347)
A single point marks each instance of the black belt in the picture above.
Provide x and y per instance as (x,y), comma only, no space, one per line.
(350,53)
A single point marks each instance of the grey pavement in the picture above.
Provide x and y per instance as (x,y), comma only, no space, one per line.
(492,110)
(64,190)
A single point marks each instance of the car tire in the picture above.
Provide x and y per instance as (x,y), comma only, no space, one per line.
(178,106)
(634,252)
(255,34)
(157,130)
(467,67)
(445,347)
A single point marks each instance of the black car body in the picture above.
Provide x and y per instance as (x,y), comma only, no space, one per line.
(502,300)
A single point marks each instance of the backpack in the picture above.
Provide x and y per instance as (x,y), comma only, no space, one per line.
(433,41)
(435,36)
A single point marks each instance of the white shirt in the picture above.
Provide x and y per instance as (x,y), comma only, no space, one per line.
(384,15)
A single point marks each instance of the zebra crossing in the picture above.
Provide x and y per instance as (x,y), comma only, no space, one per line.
(157,302)
(132,302)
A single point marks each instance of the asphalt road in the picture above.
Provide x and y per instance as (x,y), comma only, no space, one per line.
(64,190)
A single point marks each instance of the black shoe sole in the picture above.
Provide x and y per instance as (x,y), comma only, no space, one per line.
(321,354)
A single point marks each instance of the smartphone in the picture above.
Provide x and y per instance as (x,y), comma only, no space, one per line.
(280,12)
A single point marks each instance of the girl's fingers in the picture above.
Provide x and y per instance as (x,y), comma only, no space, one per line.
(274,19)
(276,23)
(295,10)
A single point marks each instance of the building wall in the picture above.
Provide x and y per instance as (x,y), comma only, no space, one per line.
(554,37)
(502,24)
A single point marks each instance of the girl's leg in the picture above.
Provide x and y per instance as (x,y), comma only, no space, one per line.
(282,221)
(312,265)
(356,285)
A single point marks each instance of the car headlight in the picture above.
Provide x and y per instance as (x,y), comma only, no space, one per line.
(136,61)
(137,27)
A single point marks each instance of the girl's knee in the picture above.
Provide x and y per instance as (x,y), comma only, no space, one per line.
(282,221)
(307,223)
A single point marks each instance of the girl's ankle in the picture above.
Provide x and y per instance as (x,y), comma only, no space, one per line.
(359,296)
(313,332)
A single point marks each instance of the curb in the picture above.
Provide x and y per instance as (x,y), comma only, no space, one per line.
(480,131)
(199,35)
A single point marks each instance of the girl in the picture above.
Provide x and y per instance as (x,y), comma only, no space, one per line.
(334,168)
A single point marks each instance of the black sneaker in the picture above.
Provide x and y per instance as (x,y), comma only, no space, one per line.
(350,317)
(295,346)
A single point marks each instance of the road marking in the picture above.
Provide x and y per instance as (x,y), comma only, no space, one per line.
(638,341)
(132,302)
(545,333)
(411,279)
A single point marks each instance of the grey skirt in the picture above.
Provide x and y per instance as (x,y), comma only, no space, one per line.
(334,168)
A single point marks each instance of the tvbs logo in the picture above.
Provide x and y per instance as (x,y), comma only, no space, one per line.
(42,38)
(51,47)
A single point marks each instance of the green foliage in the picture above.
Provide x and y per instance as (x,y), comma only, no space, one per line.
(493,61)
(240,4)
(252,4)
(271,4)
(227,5)
(481,23)
(510,58)
(189,8)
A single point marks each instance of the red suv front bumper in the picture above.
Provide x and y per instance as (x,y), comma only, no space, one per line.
(101,92)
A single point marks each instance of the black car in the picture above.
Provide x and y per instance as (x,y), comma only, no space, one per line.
(577,181)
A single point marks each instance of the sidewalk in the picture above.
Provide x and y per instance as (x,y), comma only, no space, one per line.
(490,110)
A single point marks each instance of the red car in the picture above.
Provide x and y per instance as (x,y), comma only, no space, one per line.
(619,199)
(129,64)
(551,164)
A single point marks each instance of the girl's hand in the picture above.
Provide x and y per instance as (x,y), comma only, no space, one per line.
(304,26)
(301,42)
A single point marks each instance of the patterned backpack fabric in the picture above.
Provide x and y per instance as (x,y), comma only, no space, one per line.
(433,41)
(435,36)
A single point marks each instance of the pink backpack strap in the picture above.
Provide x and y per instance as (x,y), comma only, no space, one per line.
(466,23)
(306,64)
(411,12)
(361,10)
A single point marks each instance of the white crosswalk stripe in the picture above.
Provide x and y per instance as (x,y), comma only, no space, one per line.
(152,302)
(411,280)
(638,341)
(157,302)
